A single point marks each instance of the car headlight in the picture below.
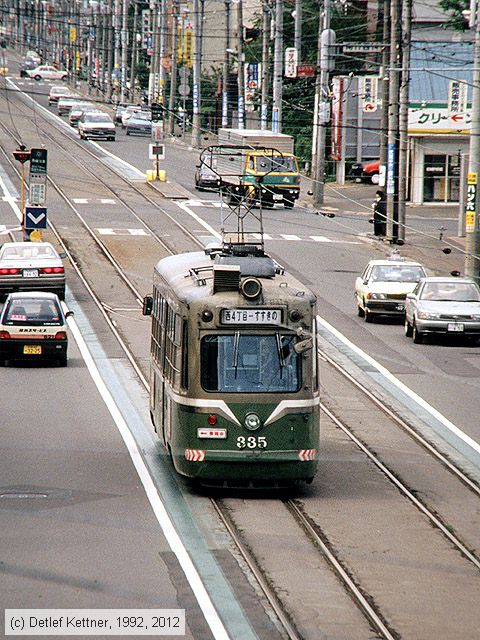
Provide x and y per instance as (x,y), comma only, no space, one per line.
(425,315)
(377,296)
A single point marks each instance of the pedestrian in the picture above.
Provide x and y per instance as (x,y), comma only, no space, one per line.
(380,214)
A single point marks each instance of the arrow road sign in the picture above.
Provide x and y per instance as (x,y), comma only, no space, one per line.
(35,218)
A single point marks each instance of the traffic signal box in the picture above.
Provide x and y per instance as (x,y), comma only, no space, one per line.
(157,112)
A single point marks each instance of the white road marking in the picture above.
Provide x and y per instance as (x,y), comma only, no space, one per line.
(106,231)
(107,201)
(211,616)
(258,236)
(320,239)
(80,200)
(286,236)
(205,225)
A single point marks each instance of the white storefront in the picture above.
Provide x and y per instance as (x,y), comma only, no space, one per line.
(438,140)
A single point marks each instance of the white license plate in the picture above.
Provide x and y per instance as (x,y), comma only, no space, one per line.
(454,326)
(30,273)
(277,196)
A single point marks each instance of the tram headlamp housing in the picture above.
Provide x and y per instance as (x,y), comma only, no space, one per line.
(206,315)
(295,315)
(252,421)
(251,288)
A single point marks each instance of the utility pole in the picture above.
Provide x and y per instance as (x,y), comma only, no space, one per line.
(133,59)
(472,231)
(226,65)
(385,80)
(393,121)
(124,48)
(110,40)
(298,29)
(241,68)
(278,69)
(197,69)
(321,116)
(403,117)
(266,24)
(173,69)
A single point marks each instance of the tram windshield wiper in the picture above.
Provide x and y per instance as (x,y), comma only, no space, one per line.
(236,342)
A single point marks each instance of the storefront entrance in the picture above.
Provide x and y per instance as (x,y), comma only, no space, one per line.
(441,178)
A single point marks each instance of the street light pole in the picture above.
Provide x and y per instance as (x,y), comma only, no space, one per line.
(278,69)
(472,231)
(226,65)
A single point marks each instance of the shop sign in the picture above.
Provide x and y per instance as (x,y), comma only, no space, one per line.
(457,97)
(291,61)
(471,203)
(368,90)
(437,119)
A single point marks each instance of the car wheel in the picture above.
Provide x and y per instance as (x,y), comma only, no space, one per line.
(368,315)
(416,335)
(61,294)
(408,329)
(65,78)
(127,132)
(37,78)
(62,361)
(2,362)
(360,312)
(375,178)
(288,203)
(112,138)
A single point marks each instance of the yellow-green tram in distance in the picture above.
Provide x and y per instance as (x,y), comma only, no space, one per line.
(234,377)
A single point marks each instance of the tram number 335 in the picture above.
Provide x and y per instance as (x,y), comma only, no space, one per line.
(251,442)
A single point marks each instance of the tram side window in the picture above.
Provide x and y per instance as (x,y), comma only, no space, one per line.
(244,363)
(158,329)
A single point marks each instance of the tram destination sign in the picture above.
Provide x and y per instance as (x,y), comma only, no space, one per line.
(251,316)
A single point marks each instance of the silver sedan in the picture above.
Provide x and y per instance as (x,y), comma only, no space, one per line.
(31,266)
(443,305)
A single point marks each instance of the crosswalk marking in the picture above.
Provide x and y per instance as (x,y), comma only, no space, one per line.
(107,201)
(258,236)
(88,201)
(320,239)
(107,231)
(80,200)
(286,236)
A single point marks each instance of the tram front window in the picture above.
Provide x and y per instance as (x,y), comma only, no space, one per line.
(244,363)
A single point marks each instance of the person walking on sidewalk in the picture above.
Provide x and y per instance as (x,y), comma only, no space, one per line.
(380,214)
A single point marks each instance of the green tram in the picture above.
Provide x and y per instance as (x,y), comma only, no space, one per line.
(234,377)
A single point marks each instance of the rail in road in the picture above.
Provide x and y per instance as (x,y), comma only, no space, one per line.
(413,559)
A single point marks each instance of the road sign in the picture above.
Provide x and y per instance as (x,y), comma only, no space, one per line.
(157,112)
(157,131)
(35,218)
(156,151)
(37,193)
(183,89)
(360,47)
(22,155)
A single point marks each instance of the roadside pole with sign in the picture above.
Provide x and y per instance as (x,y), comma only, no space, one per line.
(22,154)
(157,150)
(36,214)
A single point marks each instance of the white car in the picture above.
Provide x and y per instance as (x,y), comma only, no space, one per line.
(128,112)
(47,72)
(77,111)
(96,124)
(65,103)
(383,286)
(33,55)
(57,92)
(443,305)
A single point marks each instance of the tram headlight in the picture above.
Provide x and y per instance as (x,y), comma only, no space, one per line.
(207,315)
(252,421)
(251,288)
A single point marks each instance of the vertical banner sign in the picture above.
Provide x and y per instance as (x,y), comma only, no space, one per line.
(391,168)
(188,45)
(291,62)
(195,98)
(252,74)
(457,97)
(471,204)
(73,34)
(337,117)
(368,91)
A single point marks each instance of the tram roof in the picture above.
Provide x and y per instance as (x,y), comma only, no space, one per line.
(190,275)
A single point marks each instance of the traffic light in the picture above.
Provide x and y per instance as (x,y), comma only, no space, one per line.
(157,112)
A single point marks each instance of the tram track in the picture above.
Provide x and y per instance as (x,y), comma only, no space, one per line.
(304,521)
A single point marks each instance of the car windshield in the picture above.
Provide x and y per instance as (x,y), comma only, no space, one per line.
(250,363)
(276,163)
(142,116)
(451,291)
(100,117)
(26,253)
(34,311)
(391,273)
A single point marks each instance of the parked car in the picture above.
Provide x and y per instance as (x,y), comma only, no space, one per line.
(78,110)
(366,171)
(27,65)
(206,178)
(47,72)
(33,326)
(139,123)
(28,266)
(127,112)
(57,92)
(96,125)
(443,305)
(383,287)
